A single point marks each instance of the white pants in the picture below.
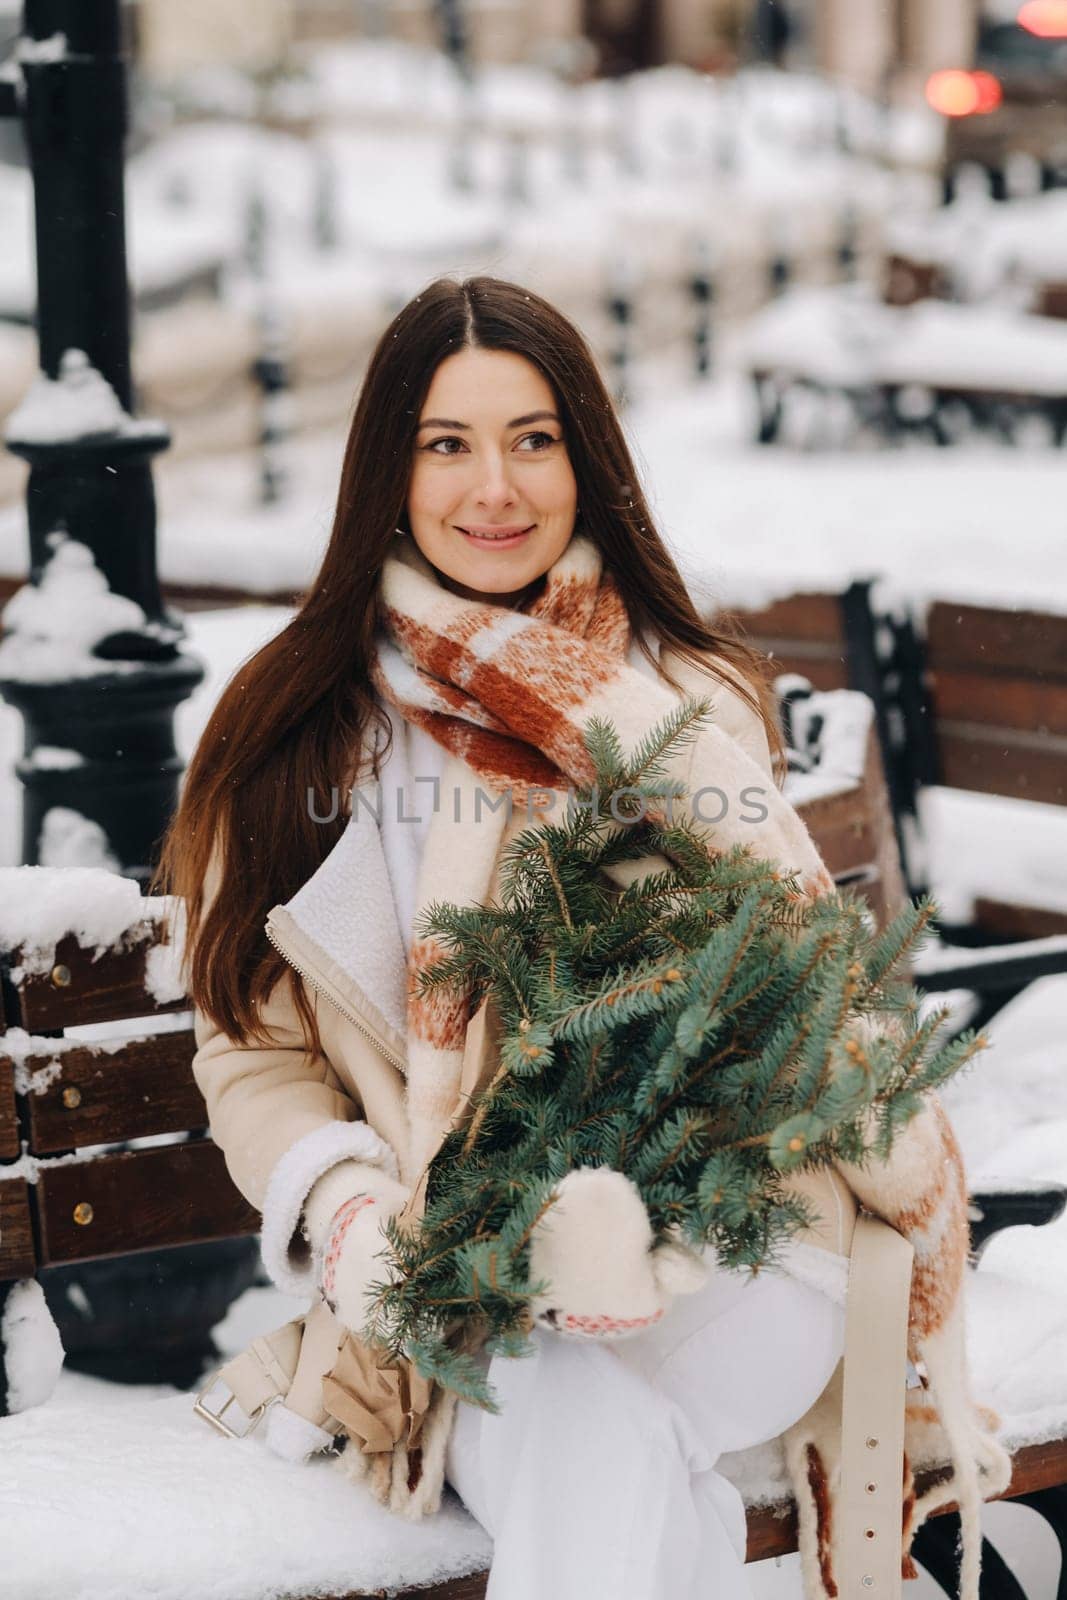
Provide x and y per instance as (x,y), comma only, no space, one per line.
(597,1475)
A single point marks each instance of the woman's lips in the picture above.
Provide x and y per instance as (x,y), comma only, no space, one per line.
(502,540)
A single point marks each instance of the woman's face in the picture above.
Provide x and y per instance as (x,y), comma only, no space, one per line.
(492,498)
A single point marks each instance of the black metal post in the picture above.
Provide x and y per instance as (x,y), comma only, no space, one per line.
(702,293)
(620,308)
(96,486)
(455,41)
(455,44)
(271,372)
(779,268)
(771,31)
(848,242)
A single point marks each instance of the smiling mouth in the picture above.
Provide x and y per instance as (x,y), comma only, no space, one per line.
(495,535)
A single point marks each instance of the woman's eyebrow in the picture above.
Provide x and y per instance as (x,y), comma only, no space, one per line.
(464,427)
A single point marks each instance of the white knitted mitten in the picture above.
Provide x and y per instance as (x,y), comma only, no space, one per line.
(344,1217)
(593,1250)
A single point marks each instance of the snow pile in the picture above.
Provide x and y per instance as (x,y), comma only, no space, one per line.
(79,404)
(991,250)
(70,840)
(41,52)
(24,1049)
(844,335)
(54,758)
(147,1499)
(31,1347)
(53,625)
(163,977)
(1009,850)
(1016,1088)
(837,727)
(39,906)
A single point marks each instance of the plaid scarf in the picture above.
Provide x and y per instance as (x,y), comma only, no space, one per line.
(498,687)
(508,693)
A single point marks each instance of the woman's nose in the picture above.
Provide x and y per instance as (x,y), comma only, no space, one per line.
(495,485)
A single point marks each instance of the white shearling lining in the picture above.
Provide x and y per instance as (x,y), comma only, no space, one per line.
(303,1163)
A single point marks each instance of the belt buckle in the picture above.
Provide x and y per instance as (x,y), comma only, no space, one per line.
(215,1418)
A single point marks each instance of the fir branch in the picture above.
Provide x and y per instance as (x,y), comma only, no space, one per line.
(550,867)
(696,1028)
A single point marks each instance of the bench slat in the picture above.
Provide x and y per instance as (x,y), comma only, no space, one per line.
(16,1232)
(772,1530)
(143,1088)
(1037,1466)
(823,666)
(843,830)
(9,1127)
(814,617)
(992,761)
(1029,643)
(1009,921)
(470,1588)
(106,990)
(1028,705)
(140,1200)
(803,633)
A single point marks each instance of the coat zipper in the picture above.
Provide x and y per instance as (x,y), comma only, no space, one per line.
(350,1016)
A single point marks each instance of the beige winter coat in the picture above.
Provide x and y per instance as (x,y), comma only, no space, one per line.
(283,1115)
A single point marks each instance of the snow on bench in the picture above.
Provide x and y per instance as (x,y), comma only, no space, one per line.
(105,1493)
(844,337)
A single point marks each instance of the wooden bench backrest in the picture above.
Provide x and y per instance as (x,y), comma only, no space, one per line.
(803,633)
(997,680)
(998,683)
(110,1202)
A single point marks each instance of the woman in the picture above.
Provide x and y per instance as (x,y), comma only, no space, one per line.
(493,579)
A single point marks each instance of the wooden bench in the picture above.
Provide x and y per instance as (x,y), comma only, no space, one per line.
(63,1099)
(918,368)
(970,697)
(68,1195)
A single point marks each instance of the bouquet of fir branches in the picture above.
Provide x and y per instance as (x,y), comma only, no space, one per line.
(704,1030)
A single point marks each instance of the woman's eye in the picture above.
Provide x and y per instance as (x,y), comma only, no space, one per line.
(541,441)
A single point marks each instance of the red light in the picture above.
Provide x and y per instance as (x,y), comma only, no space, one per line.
(1046,18)
(956,93)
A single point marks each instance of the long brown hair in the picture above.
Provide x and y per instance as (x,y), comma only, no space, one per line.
(295,716)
